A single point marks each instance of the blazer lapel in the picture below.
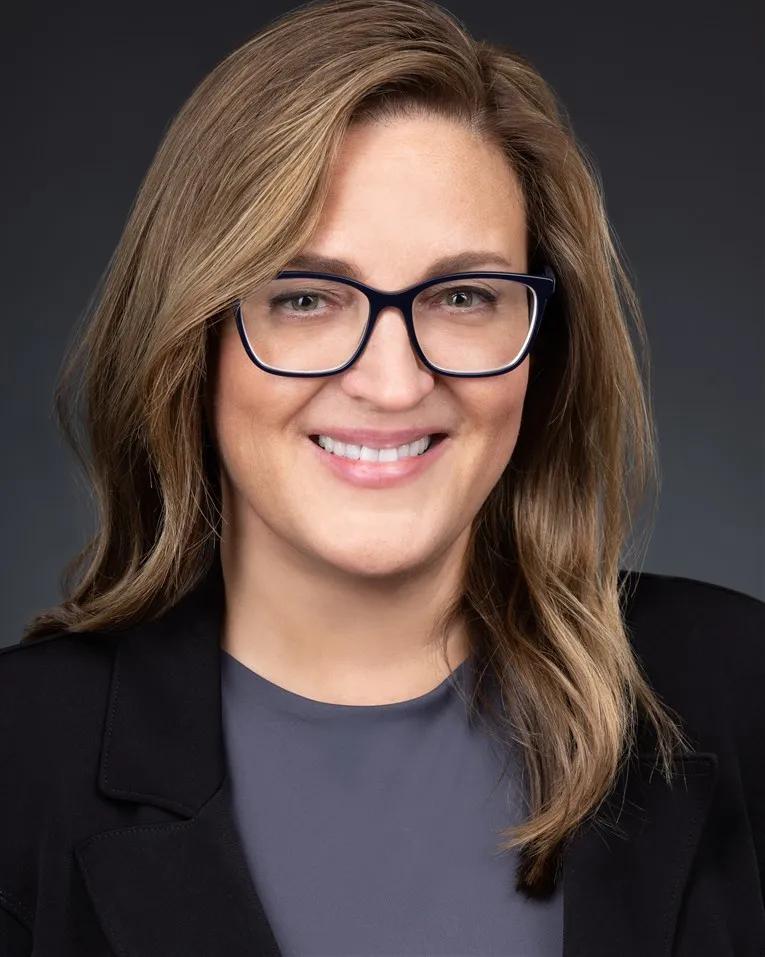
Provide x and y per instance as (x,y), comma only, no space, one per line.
(178,881)
(181,884)
(622,891)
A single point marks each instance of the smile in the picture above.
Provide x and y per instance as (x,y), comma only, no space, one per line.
(370,467)
(367,453)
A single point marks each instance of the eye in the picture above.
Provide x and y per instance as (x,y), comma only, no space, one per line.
(465,293)
(468,296)
(294,297)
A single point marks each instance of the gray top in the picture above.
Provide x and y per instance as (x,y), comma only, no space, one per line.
(372,830)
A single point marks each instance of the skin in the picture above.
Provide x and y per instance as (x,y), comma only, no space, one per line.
(332,590)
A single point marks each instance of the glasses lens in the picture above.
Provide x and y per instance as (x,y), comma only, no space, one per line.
(305,325)
(475,325)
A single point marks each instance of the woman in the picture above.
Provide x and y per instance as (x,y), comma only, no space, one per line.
(350,666)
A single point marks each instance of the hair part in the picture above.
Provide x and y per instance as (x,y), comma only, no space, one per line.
(235,190)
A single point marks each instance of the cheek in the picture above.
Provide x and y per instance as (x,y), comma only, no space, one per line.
(247,410)
(235,391)
(491,412)
(253,414)
(495,409)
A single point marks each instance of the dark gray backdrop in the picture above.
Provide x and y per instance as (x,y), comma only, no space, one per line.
(668,98)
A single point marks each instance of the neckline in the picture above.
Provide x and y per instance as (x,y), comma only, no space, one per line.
(267,693)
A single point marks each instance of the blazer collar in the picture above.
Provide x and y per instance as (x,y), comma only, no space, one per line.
(184,885)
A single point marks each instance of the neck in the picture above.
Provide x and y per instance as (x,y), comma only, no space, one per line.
(333,636)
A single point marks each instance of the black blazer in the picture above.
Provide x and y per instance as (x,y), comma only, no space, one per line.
(117,835)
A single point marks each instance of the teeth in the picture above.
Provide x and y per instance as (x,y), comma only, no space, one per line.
(367,454)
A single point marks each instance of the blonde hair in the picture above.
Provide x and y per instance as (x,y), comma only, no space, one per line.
(235,190)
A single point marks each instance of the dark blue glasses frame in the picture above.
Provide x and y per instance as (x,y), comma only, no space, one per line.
(543,286)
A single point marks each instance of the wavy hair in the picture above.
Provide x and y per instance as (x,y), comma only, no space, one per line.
(235,190)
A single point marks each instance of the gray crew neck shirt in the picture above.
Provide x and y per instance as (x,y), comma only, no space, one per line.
(372,830)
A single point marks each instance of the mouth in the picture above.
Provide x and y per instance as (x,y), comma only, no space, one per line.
(372,455)
(380,468)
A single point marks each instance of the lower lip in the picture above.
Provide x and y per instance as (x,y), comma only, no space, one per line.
(379,474)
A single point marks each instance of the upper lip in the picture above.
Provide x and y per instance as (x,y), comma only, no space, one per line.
(379,438)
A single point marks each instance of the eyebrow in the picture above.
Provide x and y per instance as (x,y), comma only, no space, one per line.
(460,262)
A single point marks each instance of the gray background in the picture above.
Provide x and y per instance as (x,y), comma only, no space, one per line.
(668,99)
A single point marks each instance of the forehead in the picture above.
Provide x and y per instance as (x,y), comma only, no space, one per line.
(421,198)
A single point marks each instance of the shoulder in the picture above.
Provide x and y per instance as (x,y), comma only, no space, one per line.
(670,615)
(53,701)
(53,694)
(53,697)
(702,647)
(65,668)
(652,590)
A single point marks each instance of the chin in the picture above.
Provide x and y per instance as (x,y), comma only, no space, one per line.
(371,559)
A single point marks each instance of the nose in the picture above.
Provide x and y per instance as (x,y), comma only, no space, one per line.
(389,373)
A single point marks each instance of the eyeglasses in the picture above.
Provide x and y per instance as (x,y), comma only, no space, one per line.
(310,324)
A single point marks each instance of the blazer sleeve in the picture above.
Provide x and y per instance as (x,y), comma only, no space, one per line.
(15,939)
(745,623)
(19,797)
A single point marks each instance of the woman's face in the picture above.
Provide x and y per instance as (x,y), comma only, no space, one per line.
(403,195)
